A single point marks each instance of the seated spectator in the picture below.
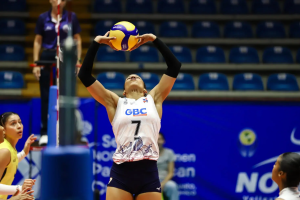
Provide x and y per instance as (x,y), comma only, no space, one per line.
(165,165)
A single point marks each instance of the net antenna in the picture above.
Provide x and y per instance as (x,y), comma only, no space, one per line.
(57,68)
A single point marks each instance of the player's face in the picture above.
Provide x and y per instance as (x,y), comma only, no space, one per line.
(13,127)
(160,141)
(1,134)
(54,3)
(277,175)
(134,80)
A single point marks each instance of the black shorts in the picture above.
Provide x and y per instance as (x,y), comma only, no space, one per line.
(135,177)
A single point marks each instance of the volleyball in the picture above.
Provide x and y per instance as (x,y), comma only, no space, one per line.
(125,33)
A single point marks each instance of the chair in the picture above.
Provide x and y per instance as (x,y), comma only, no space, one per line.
(184,82)
(103,26)
(13,5)
(202,7)
(270,30)
(108,6)
(210,54)
(295,30)
(170,6)
(234,7)
(173,29)
(112,80)
(11,53)
(107,54)
(144,54)
(292,6)
(206,30)
(247,81)
(139,6)
(213,81)
(183,54)
(243,55)
(150,79)
(282,82)
(145,27)
(277,55)
(238,30)
(11,80)
(12,27)
(265,7)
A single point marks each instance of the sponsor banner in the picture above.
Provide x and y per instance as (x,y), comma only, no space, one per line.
(224,150)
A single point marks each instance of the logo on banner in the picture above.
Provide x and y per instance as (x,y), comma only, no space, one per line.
(293,139)
(247,142)
(250,182)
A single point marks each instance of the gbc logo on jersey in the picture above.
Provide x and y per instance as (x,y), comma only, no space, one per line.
(136,112)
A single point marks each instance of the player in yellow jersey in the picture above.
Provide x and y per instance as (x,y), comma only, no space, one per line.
(10,132)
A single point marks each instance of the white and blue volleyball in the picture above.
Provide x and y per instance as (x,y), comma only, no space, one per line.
(125,33)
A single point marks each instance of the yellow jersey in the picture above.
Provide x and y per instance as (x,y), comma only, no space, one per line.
(11,169)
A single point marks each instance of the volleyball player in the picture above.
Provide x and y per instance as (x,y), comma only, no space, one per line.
(136,122)
(286,173)
(12,128)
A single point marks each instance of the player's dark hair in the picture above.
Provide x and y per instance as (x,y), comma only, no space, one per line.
(162,135)
(4,117)
(290,164)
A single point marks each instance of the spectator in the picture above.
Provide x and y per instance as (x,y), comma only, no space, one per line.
(165,165)
(46,38)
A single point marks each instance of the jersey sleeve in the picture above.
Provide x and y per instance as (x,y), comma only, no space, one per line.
(75,24)
(39,28)
(172,156)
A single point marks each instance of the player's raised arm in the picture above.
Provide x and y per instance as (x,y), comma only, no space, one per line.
(163,88)
(96,89)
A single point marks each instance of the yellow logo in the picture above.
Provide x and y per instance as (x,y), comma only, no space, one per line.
(247,137)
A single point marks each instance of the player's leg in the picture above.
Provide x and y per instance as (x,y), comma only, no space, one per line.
(149,196)
(113,193)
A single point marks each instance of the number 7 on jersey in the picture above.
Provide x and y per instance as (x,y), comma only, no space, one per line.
(138,122)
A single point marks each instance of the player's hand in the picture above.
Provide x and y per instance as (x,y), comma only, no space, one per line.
(25,194)
(28,184)
(143,39)
(28,143)
(37,72)
(106,40)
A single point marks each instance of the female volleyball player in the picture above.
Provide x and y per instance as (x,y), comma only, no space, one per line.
(12,128)
(136,123)
(286,173)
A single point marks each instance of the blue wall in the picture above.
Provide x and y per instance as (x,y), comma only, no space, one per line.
(220,146)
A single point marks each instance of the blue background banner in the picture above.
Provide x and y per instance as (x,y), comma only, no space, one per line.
(224,150)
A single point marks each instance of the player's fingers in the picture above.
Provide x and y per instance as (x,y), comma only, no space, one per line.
(111,38)
(29,192)
(106,34)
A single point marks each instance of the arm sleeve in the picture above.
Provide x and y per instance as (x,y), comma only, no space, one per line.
(21,156)
(8,189)
(75,24)
(39,28)
(173,64)
(85,73)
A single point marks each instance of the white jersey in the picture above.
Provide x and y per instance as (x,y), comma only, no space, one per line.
(290,193)
(136,126)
